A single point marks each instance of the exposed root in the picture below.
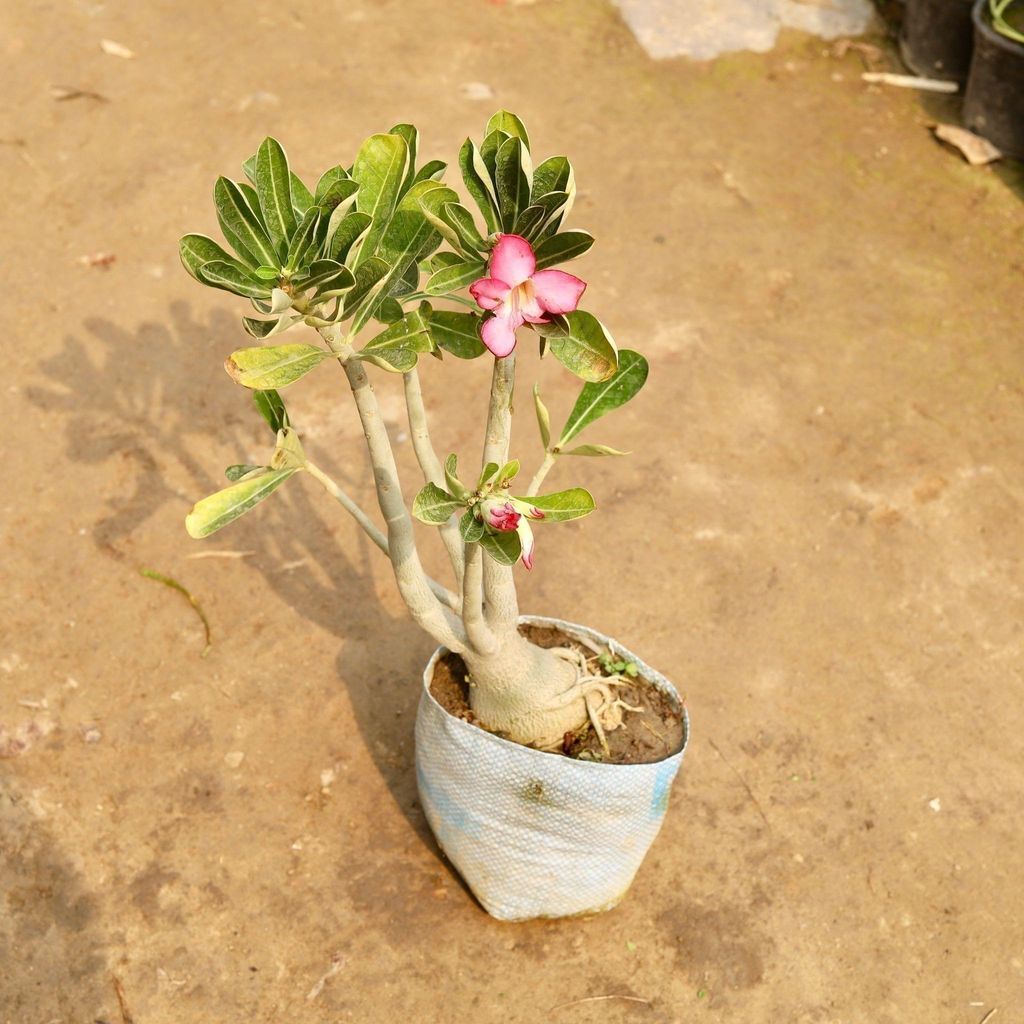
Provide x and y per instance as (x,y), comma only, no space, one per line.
(604,709)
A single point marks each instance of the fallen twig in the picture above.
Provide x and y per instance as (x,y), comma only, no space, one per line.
(62,93)
(126,1014)
(220,554)
(337,962)
(909,81)
(151,574)
(743,782)
(601,999)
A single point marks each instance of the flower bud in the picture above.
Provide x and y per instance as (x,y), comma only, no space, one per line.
(524,507)
(500,515)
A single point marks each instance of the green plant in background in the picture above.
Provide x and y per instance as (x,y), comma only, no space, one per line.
(1008,18)
(385,263)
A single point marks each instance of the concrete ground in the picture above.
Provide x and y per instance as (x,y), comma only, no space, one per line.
(818,537)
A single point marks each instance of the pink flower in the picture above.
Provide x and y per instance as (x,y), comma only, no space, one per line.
(518,293)
(526,539)
(500,516)
(512,514)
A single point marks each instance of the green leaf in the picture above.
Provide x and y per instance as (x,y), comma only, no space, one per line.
(235,473)
(241,226)
(273,367)
(336,193)
(507,474)
(507,122)
(224,507)
(379,170)
(434,506)
(432,170)
(431,198)
(457,276)
(249,168)
(302,241)
(505,548)
(263,329)
(462,221)
(348,232)
(487,476)
(288,454)
(471,528)
(408,235)
(232,278)
(583,346)
(512,179)
(368,276)
(398,347)
(478,184)
(280,301)
(250,196)
(529,222)
(455,485)
(195,250)
(563,505)
(274,188)
(440,260)
(597,399)
(493,141)
(543,418)
(553,205)
(327,181)
(411,136)
(458,333)
(302,198)
(560,248)
(593,449)
(324,275)
(271,407)
(553,175)
(389,311)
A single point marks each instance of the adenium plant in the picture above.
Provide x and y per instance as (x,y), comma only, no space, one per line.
(385,263)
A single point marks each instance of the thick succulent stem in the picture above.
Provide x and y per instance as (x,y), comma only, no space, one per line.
(480,636)
(439,621)
(501,605)
(442,593)
(430,464)
(525,693)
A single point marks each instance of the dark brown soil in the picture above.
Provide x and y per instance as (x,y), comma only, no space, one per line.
(649,735)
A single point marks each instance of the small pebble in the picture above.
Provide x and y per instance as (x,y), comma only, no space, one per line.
(234,759)
(476,91)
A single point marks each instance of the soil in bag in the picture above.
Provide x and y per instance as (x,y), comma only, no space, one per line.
(651,734)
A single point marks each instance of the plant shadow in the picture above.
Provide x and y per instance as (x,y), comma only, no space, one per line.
(52,944)
(127,396)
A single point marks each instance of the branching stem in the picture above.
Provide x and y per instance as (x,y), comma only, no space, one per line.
(481,638)
(442,593)
(501,604)
(433,472)
(538,479)
(424,606)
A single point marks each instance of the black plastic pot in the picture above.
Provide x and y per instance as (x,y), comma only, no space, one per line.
(935,39)
(994,104)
